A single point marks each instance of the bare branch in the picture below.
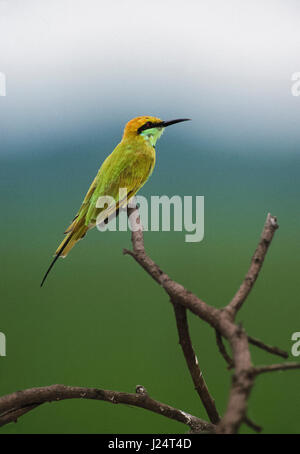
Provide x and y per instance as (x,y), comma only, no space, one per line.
(274,350)
(275,367)
(218,319)
(192,363)
(176,291)
(242,381)
(16,404)
(221,320)
(256,263)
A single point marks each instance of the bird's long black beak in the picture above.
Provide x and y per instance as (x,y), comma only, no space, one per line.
(164,124)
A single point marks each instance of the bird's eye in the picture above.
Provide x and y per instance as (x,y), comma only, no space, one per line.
(147,125)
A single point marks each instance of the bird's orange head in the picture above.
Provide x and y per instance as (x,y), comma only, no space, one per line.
(147,127)
(134,126)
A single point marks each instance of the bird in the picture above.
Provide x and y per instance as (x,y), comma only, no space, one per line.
(129,166)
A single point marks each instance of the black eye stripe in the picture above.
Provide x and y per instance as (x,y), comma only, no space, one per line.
(147,125)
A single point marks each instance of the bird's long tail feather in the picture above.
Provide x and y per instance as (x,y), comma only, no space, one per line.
(66,245)
(66,241)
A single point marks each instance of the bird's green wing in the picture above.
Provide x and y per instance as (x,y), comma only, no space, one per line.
(84,206)
(124,168)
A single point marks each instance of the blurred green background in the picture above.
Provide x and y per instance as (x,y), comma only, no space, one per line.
(100,321)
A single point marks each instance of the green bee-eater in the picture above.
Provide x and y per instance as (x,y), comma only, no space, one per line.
(128,166)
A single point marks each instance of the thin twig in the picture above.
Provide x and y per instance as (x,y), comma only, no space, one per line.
(273,350)
(223,350)
(256,263)
(275,367)
(192,363)
(252,424)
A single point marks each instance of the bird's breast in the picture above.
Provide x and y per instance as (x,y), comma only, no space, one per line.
(146,159)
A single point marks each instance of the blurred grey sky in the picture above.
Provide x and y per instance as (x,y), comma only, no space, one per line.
(80,67)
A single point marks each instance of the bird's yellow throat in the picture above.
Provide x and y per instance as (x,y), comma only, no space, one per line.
(151,136)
